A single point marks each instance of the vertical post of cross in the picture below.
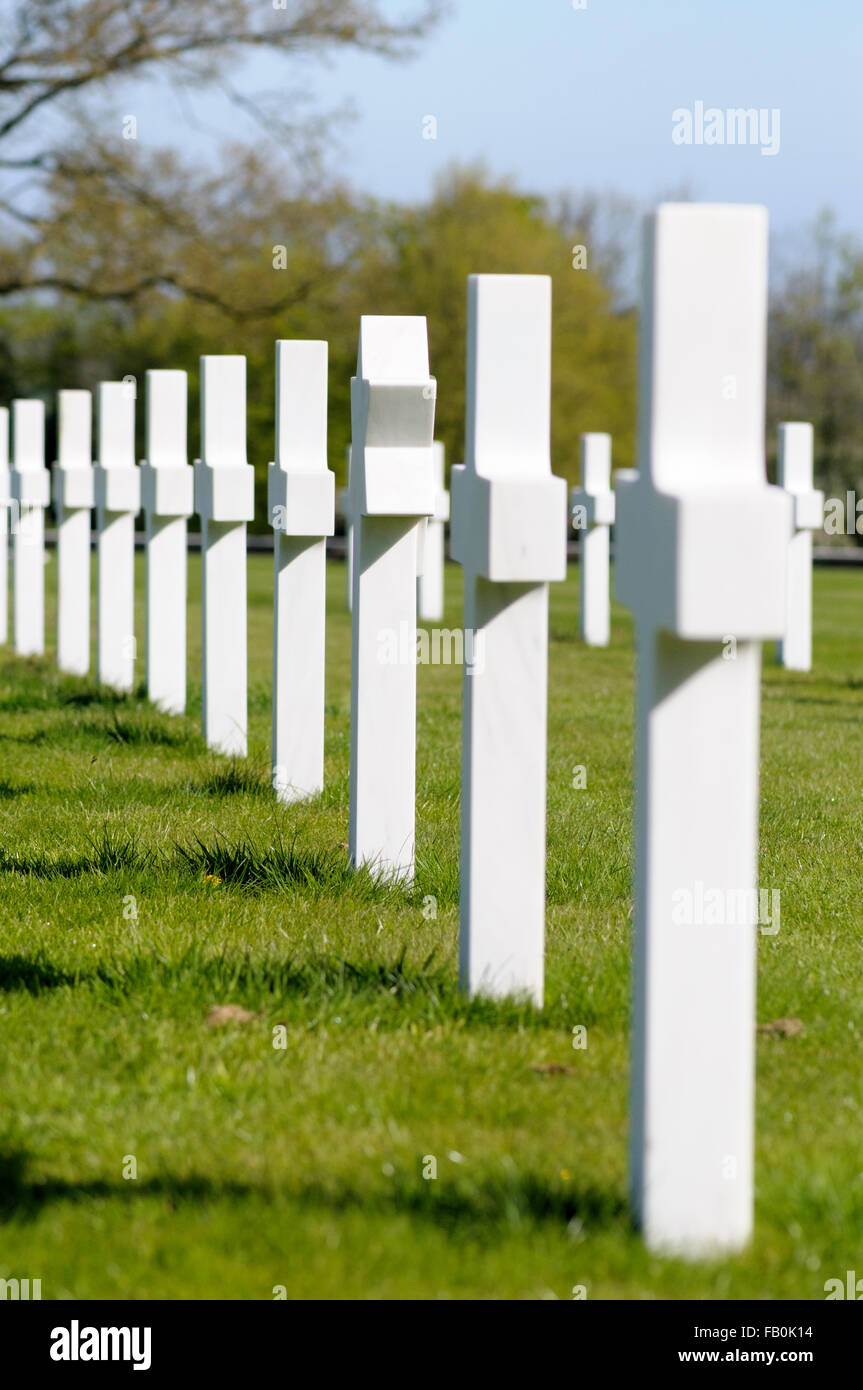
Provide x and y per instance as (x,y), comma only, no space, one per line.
(117,492)
(392,417)
(167,499)
(30,489)
(225,502)
(74,498)
(430,598)
(592,512)
(701,554)
(796,475)
(301,503)
(509,534)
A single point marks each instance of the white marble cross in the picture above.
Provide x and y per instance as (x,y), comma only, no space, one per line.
(592,512)
(225,502)
(701,560)
(392,491)
(795,475)
(508,531)
(430,599)
(301,505)
(117,488)
(74,499)
(5,497)
(167,499)
(30,486)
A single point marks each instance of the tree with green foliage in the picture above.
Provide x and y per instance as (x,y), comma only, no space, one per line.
(340,257)
(419,259)
(816,353)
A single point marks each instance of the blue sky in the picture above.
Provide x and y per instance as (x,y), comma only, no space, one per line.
(567,99)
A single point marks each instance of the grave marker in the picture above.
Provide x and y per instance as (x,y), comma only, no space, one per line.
(701,562)
(225,502)
(509,534)
(117,490)
(30,487)
(167,498)
(592,511)
(795,474)
(74,499)
(430,592)
(301,498)
(392,490)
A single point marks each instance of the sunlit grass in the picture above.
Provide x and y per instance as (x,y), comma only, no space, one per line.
(145,880)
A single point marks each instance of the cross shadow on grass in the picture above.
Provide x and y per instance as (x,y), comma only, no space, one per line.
(9,790)
(87,696)
(145,728)
(491,1201)
(267,985)
(813,687)
(132,728)
(35,739)
(98,711)
(395,992)
(487,1205)
(236,777)
(33,686)
(24,1198)
(110,852)
(284,868)
(34,975)
(842,712)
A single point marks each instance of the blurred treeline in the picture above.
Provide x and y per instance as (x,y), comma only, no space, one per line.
(308,267)
(275,268)
(116,257)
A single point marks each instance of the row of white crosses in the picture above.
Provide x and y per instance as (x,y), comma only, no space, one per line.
(509,534)
(113,487)
(116,487)
(703,553)
(592,511)
(167,501)
(221,489)
(702,562)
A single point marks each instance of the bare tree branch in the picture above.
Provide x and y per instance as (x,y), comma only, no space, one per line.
(80,210)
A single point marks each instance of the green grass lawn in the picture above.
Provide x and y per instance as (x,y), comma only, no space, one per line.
(145,880)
